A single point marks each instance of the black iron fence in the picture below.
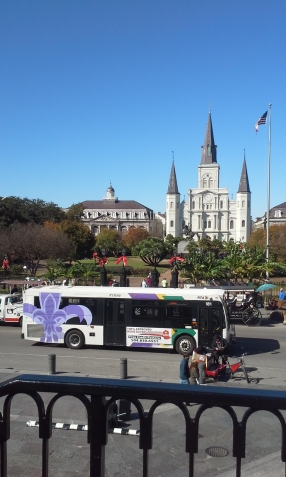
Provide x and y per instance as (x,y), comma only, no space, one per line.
(95,394)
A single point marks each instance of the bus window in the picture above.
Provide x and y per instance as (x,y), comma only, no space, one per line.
(146,313)
(121,313)
(180,315)
(109,312)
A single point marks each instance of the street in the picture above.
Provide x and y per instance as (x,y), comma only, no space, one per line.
(265,349)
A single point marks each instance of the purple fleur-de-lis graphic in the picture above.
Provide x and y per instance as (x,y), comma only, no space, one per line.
(51,317)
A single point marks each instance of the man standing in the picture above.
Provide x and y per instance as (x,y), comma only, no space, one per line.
(144,284)
(184,370)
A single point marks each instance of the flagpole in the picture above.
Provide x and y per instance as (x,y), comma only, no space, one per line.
(268,190)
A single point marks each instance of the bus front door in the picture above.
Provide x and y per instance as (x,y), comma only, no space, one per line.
(114,323)
(210,322)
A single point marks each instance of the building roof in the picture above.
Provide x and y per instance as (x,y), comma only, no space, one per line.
(120,204)
(281,207)
(173,185)
(244,184)
(209,147)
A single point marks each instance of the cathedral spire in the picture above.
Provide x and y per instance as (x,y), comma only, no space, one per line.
(173,186)
(209,147)
(244,184)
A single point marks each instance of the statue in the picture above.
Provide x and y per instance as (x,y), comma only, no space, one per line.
(188,232)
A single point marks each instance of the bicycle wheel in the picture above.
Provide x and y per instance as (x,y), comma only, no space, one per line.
(256,318)
(246,316)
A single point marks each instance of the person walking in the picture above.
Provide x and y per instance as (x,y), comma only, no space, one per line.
(144,284)
(184,370)
(149,281)
(164,283)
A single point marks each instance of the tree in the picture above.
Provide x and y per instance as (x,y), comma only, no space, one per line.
(110,240)
(79,235)
(31,243)
(172,241)
(277,241)
(16,210)
(75,212)
(202,265)
(134,236)
(146,248)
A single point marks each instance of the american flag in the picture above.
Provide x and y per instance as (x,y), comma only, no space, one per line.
(261,120)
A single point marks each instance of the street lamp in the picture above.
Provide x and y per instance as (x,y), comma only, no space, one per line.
(154,273)
(175,273)
(103,272)
(123,272)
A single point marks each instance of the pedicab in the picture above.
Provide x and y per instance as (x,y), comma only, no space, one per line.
(214,368)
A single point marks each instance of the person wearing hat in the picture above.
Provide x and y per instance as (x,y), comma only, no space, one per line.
(282,294)
(219,345)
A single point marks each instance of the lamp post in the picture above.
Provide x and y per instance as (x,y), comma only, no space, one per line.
(175,272)
(123,271)
(154,273)
(103,272)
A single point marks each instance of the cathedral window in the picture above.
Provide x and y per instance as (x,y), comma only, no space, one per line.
(243,203)
(221,204)
(211,183)
(209,150)
(243,223)
(205,183)
(231,224)
(209,224)
(208,206)
(205,224)
(193,204)
(171,205)
(172,223)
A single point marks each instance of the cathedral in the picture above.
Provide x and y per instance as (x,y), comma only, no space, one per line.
(208,211)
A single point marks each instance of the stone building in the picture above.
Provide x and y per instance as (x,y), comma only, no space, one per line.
(277,216)
(208,211)
(120,215)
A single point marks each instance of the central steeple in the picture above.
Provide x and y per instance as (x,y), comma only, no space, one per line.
(209,147)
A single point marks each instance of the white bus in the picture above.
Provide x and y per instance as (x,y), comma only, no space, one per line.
(178,319)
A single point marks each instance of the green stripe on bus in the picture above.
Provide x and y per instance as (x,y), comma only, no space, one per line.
(173,298)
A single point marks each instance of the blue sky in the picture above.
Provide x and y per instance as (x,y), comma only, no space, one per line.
(93,91)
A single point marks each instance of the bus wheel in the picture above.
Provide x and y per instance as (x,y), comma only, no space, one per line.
(20,322)
(74,339)
(185,344)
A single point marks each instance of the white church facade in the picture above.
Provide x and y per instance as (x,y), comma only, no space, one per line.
(208,211)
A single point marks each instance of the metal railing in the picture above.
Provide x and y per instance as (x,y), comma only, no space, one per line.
(93,393)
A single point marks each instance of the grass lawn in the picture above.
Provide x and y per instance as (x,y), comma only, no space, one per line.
(134,262)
